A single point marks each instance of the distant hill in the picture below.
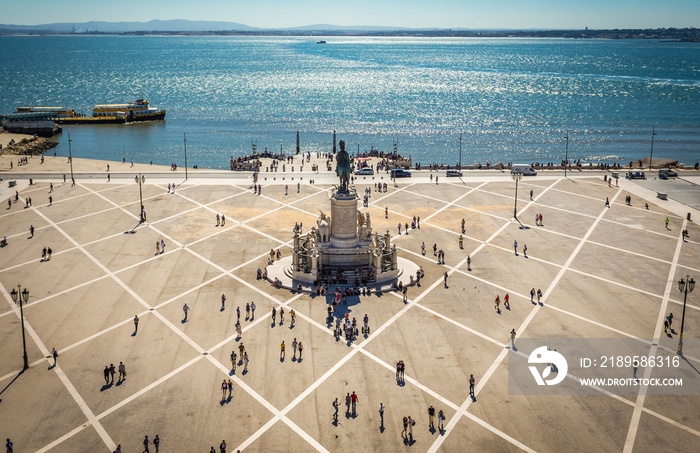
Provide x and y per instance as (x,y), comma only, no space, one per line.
(126,27)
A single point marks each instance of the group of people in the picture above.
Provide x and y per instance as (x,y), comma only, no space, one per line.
(297,346)
(46,254)
(506,303)
(160,247)
(111,370)
(220,219)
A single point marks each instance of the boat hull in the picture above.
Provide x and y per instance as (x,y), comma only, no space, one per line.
(146,117)
(91,120)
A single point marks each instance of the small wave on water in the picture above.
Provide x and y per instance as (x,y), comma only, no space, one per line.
(603,158)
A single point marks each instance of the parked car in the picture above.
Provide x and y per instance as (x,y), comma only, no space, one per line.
(635,175)
(364,171)
(667,173)
(400,173)
(456,173)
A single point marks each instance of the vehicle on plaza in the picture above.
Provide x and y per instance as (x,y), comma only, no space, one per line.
(522,169)
(451,173)
(364,171)
(400,173)
(635,175)
(667,173)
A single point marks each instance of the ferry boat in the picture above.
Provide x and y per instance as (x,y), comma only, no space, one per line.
(60,112)
(139,110)
(65,115)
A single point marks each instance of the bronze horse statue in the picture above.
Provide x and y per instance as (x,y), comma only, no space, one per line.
(343,169)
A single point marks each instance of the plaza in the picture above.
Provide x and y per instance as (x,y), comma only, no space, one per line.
(604,273)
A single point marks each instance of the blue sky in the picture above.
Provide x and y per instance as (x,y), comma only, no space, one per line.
(403,13)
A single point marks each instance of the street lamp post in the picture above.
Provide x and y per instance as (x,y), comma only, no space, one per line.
(566,158)
(516,178)
(685,287)
(185,138)
(21,297)
(460,151)
(140,179)
(70,159)
(651,153)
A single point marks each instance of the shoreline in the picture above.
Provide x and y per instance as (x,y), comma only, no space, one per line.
(82,166)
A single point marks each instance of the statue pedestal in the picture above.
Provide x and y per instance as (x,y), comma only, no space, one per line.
(344,220)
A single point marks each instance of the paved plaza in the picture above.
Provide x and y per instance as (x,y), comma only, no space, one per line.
(604,273)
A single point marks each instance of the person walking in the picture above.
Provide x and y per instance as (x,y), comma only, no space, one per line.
(157,247)
(222,447)
(497,304)
(445,277)
(336,404)
(353,399)
(245,362)
(301,350)
(539,295)
(31,230)
(293,315)
(229,384)
(295,345)
(247,311)
(469,262)
(241,350)
(431,416)
(224,388)
(54,354)
(223,219)
(238,314)
(532,295)
(441,421)
(112,372)
(411,422)
(239,331)
(233,361)
(146,443)
(512,339)
(136,323)
(472,381)
(162,246)
(252,310)
(381,415)
(348,402)
(9,446)
(218,219)
(186,310)
(122,371)
(405,427)
(223,302)
(607,202)
(525,250)
(667,223)
(282,350)
(422,248)
(106,374)
(515,247)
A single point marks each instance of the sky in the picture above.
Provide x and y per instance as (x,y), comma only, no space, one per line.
(472,14)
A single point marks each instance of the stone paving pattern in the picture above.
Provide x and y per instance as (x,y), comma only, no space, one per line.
(605,273)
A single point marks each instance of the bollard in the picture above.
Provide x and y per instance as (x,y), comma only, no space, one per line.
(30,181)
(689,218)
